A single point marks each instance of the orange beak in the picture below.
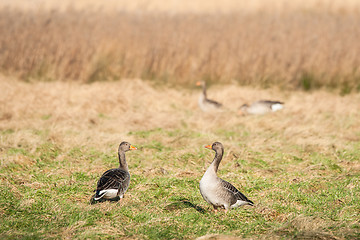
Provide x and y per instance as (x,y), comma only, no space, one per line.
(132,147)
(208,147)
(198,83)
(241,113)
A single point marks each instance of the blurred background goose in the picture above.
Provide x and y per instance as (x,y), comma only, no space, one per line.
(206,104)
(218,192)
(114,182)
(261,107)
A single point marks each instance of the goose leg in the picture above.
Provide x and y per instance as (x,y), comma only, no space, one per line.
(226,208)
(215,209)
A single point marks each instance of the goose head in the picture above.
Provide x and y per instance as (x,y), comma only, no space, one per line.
(243,109)
(200,83)
(216,146)
(125,146)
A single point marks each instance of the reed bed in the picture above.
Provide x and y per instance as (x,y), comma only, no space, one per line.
(185,6)
(292,50)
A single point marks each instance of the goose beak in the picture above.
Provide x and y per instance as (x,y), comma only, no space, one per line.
(241,113)
(132,147)
(208,147)
(198,83)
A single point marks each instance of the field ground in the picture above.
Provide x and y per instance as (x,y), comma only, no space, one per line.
(300,166)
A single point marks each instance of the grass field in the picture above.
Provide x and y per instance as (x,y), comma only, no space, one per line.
(300,166)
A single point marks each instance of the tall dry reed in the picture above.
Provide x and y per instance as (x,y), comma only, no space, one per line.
(291,50)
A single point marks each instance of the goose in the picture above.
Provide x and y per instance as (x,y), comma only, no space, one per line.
(216,191)
(113,184)
(205,104)
(261,107)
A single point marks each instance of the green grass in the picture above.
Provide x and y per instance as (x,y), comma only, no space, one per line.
(297,194)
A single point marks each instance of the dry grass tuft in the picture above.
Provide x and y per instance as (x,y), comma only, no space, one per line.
(218,237)
(309,228)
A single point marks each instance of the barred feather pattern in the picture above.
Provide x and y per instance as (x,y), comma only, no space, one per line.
(114,179)
(236,193)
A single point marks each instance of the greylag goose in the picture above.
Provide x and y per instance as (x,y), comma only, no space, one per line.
(114,182)
(218,192)
(261,107)
(206,104)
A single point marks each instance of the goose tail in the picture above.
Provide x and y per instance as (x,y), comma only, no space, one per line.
(96,197)
(92,199)
(251,203)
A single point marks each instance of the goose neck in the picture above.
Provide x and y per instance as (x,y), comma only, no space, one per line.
(122,161)
(204,90)
(217,159)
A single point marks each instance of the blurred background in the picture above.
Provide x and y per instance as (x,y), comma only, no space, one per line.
(289,44)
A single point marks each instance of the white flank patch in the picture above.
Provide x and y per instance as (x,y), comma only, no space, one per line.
(238,204)
(276,107)
(108,194)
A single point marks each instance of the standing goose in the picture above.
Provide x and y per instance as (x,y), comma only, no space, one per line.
(114,182)
(261,107)
(216,191)
(206,104)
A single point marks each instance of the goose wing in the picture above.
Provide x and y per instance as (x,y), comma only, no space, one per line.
(273,105)
(269,103)
(217,104)
(236,193)
(113,179)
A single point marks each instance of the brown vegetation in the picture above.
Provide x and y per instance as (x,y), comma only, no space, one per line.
(297,49)
(98,115)
(185,6)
